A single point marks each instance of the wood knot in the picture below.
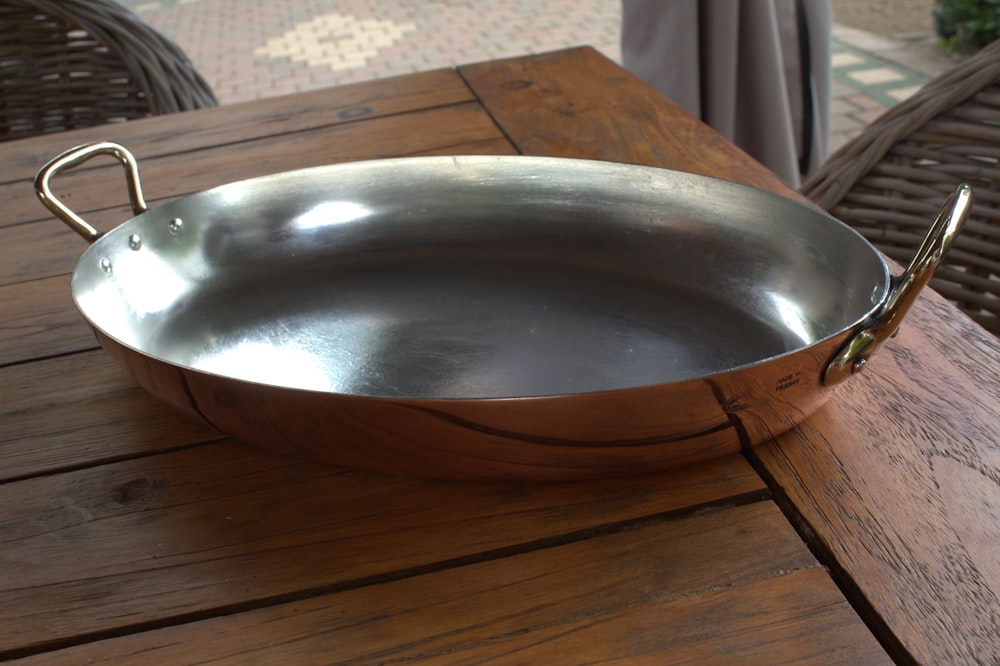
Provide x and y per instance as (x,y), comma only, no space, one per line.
(133,491)
(517,84)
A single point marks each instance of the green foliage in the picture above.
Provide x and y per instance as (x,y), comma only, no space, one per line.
(967,25)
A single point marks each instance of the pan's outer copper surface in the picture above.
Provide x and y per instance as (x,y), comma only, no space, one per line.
(490,316)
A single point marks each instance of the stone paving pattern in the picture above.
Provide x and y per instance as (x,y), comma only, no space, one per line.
(247,49)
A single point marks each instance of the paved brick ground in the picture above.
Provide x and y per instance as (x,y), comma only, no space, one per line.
(254,48)
(248,49)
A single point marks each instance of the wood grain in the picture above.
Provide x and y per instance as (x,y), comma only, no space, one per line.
(577,103)
(45,249)
(217,528)
(645,595)
(40,320)
(910,508)
(81,410)
(444,130)
(239,123)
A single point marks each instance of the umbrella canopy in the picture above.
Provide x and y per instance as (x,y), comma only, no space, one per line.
(758,71)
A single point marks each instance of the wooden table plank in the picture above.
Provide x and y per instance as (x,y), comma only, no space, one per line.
(797,618)
(83,410)
(761,597)
(559,104)
(910,509)
(219,528)
(442,130)
(45,249)
(168,135)
(39,320)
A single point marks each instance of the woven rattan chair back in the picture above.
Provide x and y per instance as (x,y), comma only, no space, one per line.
(888,182)
(66,64)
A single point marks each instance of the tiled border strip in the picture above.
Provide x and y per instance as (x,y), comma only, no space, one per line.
(883,80)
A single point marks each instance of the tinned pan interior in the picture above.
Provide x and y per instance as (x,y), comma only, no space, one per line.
(477,277)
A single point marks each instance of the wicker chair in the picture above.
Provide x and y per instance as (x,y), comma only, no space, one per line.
(66,64)
(888,182)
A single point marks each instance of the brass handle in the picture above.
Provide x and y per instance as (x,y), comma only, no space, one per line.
(855,353)
(74,157)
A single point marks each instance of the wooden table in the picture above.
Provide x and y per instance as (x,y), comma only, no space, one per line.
(130,533)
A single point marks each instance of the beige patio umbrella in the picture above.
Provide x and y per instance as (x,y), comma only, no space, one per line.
(758,71)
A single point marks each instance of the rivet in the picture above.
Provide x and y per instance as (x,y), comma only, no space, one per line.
(106,265)
(176,225)
(859,365)
(135,241)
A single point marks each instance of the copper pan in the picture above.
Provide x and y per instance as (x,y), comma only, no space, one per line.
(501,316)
